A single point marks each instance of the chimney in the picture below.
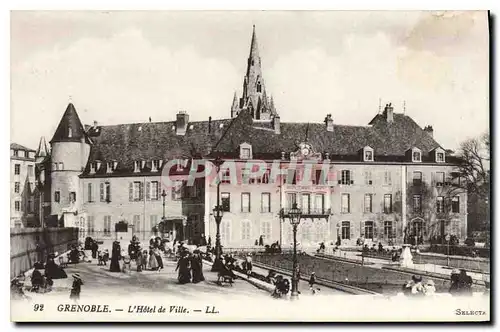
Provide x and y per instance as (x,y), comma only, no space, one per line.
(329,122)
(389,113)
(209,124)
(182,123)
(276,124)
(429,130)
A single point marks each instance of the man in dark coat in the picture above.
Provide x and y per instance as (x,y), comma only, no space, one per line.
(197,267)
(115,258)
(183,267)
(94,247)
(52,270)
(261,241)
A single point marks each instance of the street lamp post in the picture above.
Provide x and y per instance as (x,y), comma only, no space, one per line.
(218,265)
(163,195)
(294,214)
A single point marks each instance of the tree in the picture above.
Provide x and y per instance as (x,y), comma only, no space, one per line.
(474,175)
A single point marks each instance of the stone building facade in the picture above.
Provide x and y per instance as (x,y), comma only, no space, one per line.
(22,186)
(386,181)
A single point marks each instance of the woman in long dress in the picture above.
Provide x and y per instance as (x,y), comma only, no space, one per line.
(115,258)
(52,270)
(153,263)
(157,253)
(197,267)
(184,276)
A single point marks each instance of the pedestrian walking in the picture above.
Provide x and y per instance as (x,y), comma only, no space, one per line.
(312,280)
(197,267)
(76,287)
(94,247)
(183,266)
(158,258)
(153,263)
(261,240)
(115,257)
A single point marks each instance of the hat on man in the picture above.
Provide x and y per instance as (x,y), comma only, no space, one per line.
(455,271)
(77,276)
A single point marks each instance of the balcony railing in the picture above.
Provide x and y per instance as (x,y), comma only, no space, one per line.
(307,213)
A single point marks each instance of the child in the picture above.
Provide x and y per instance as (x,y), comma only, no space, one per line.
(76,288)
(126,262)
(144,260)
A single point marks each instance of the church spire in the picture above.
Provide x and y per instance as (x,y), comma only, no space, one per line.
(234,107)
(43,150)
(254,47)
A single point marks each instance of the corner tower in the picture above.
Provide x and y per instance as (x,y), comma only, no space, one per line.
(254,96)
(70,149)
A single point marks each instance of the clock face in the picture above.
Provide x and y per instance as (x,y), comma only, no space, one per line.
(305,151)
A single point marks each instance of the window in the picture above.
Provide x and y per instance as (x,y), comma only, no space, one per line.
(177,190)
(346,177)
(137,166)
(416,156)
(245,176)
(57,196)
(246,230)
(31,170)
(225,176)
(30,205)
(440,204)
(346,230)
(70,132)
(369,230)
(137,223)
(31,186)
(137,191)
(368,203)
(265,229)
(155,165)
(245,202)
(90,225)
(388,229)
(17,169)
(225,231)
(92,167)
(17,205)
(306,203)
(60,166)
(417,203)
(72,197)
(417,178)
(265,202)
(455,204)
(245,153)
(154,190)
(439,179)
(318,177)
(345,203)
(291,177)
(368,178)
(320,203)
(109,167)
(368,155)
(16,153)
(265,176)
(105,191)
(153,220)
(226,202)
(387,203)
(17,185)
(259,86)
(387,178)
(440,157)
(89,193)
(107,225)
(291,198)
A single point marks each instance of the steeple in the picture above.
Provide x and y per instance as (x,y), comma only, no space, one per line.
(43,150)
(235,106)
(254,95)
(70,129)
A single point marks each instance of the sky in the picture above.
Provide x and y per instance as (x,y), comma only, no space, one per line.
(127,66)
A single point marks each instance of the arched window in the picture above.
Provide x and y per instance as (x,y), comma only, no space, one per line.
(259,87)
(70,132)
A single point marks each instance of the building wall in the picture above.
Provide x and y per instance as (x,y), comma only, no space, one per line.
(311,232)
(149,211)
(25,196)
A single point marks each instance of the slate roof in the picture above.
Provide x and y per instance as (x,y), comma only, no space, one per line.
(16,146)
(125,143)
(70,120)
(389,141)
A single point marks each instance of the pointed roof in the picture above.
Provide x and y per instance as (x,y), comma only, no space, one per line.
(235,102)
(70,129)
(43,149)
(254,48)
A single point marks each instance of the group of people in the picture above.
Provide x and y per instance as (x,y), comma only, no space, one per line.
(417,287)
(461,284)
(189,266)
(144,259)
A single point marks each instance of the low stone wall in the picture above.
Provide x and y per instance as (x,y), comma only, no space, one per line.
(28,245)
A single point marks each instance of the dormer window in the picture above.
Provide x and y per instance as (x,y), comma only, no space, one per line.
(367,154)
(137,166)
(109,167)
(416,155)
(92,168)
(155,165)
(70,132)
(440,156)
(245,151)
